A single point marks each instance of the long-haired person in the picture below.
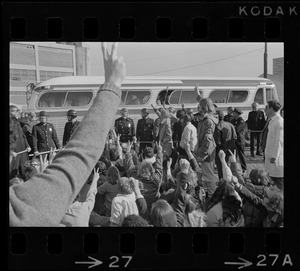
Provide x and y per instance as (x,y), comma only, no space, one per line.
(162,214)
(206,146)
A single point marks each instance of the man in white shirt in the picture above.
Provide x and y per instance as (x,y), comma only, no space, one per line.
(189,135)
(274,143)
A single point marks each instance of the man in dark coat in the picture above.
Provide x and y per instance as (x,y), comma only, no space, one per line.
(225,137)
(240,127)
(70,126)
(229,116)
(44,135)
(145,130)
(256,123)
(21,144)
(27,129)
(125,127)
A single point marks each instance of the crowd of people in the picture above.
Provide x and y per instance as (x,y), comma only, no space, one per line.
(161,174)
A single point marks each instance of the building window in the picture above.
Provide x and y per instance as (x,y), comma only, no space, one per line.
(219,96)
(55,57)
(22,75)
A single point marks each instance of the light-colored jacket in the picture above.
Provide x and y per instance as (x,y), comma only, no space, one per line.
(274,147)
(189,135)
(165,136)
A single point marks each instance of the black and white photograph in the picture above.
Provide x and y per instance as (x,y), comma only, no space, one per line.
(146,134)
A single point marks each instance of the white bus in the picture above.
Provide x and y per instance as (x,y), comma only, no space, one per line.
(56,96)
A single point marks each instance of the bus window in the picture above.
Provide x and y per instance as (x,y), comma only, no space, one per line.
(174,97)
(138,97)
(259,96)
(270,95)
(219,96)
(188,97)
(237,96)
(78,98)
(55,99)
(123,97)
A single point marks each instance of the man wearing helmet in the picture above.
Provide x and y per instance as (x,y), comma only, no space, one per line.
(70,126)
(145,130)
(44,135)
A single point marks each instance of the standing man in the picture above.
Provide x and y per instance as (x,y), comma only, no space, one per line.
(125,127)
(145,130)
(240,127)
(17,164)
(274,143)
(27,129)
(256,122)
(225,137)
(70,126)
(44,135)
(229,116)
(189,136)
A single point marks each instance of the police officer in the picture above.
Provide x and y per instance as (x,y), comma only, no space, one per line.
(125,127)
(240,127)
(44,135)
(256,123)
(145,130)
(70,126)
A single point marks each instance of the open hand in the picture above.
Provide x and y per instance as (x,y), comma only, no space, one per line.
(159,147)
(114,66)
(222,155)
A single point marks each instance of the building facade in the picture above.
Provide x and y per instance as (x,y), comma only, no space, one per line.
(34,62)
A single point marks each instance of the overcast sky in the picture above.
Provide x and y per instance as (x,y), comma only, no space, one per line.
(189,59)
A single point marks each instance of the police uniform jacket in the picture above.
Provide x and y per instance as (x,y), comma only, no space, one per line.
(68,131)
(228,118)
(145,129)
(240,127)
(125,127)
(44,137)
(225,136)
(256,120)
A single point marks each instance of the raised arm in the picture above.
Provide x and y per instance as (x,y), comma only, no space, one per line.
(43,200)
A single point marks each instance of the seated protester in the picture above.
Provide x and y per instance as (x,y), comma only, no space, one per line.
(195,216)
(123,204)
(148,155)
(224,208)
(271,204)
(108,190)
(78,214)
(29,171)
(149,175)
(135,221)
(162,214)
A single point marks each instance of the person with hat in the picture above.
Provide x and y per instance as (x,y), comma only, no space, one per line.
(44,135)
(240,127)
(27,129)
(229,115)
(145,130)
(125,127)
(70,126)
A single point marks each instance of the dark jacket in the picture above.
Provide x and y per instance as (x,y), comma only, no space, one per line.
(44,137)
(240,127)
(125,127)
(225,136)
(69,130)
(228,118)
(177,131)
(256,120)
(145,129)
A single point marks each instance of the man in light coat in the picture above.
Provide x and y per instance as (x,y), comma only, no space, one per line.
(274,143)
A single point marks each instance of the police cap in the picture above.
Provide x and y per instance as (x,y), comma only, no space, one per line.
(237,110)
(43,114)
(145,110)
(72,113)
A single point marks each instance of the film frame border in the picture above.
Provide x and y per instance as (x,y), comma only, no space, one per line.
(181,255)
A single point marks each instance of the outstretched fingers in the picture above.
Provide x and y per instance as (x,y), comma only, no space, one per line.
(104,50)
(114,50)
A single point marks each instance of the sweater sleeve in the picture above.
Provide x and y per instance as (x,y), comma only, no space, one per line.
(142,207)
(43,200)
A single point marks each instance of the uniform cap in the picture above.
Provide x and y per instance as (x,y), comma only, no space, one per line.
(43,114)
(237,110)
(146,110)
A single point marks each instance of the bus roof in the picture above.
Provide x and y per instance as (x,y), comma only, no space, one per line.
(155,80)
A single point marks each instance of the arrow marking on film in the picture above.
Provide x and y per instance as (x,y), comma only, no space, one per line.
(94,263)
(243,264)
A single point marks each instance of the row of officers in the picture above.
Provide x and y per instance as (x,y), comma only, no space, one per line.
(41,136)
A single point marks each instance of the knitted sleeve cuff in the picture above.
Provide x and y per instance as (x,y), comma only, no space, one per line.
(112,88)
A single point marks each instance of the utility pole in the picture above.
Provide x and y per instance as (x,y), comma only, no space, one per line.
(266,61)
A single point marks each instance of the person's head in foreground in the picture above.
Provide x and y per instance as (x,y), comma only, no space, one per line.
(162,214)
(135,221)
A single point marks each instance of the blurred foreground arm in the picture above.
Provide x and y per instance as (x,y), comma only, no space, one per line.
(43,200)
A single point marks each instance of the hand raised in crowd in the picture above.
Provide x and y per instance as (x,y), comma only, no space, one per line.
(169,162)
(134,140)
(184,165)
(159,147)
(51,155)
(197,90)
(114,66)
(129,146)
(222,155)
(96,175)
(134,183)
(44,162)
(28,149)
(232,157)
(182,105)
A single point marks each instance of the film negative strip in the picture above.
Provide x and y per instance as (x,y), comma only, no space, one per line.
(100,248)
